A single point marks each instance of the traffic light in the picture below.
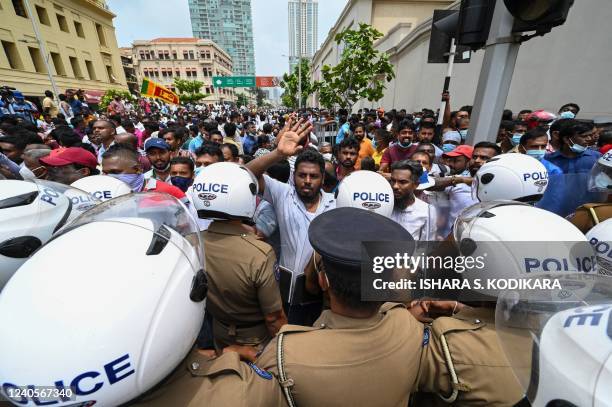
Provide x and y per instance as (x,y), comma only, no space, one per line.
(474,22)
(443,28)
(538,15)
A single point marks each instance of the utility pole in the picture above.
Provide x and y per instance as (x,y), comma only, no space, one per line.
(300,55)
(43,50)
(495,77)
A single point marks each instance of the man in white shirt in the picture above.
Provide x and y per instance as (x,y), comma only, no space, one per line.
(416,216)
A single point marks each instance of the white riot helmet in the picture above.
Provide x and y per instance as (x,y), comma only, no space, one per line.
(600,178)
(366,190)
(224,191)
(30,212)
(512,176)
(102,187)
(500,234)
(116,322)
(600,237)
(559,345)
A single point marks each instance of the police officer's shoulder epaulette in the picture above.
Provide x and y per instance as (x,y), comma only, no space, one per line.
(200,365)
(260,245)
(298,328)
(445,325)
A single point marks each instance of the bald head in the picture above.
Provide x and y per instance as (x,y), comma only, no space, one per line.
(36,147)
(127,138)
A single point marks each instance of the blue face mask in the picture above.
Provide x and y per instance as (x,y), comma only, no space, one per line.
(417,120)
(135,181)
(537,154)
(447,148)
(567,115)
(402,145)
(577,148)
(464,134)
(182,183)
(516,139)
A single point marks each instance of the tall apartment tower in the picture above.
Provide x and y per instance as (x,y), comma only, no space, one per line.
(229,24)
(307,38)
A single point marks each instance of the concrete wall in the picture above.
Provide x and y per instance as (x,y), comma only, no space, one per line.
(573,63)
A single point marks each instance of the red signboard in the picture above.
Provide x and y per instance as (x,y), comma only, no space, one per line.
(267,81)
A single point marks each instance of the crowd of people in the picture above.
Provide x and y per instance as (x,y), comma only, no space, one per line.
(282,201)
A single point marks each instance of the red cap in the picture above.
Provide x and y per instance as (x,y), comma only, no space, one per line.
(463,150)
(71,155)
(605,148)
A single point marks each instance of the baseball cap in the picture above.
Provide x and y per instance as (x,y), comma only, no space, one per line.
(463,150)
(156,143)
(71,155)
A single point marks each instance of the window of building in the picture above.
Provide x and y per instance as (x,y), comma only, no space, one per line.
(178,73)
(101,37)
(90,70)
(110,73)
(174,55)
(37,61)
(142,55)
(185,54)
(58,64)
(20,8)
(43,16)
(12,55)
(160,54)
(63,23)
(191,56)
(166,55)
(76,68)
(78,27)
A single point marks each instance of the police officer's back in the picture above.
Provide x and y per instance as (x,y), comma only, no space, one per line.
(243,298)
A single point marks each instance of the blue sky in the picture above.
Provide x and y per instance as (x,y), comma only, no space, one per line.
(147,19)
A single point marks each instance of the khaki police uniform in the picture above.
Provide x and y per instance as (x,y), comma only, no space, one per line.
(242,288)
(344,361)
(224,381)
(484,376)
(589,215)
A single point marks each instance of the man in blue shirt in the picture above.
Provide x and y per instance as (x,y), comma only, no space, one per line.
(533,143)
(569,190)
(249,141)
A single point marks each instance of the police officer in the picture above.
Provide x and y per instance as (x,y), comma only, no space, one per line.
(600,180)
(244,299)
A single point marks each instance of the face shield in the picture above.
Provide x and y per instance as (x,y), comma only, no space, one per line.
(559,341)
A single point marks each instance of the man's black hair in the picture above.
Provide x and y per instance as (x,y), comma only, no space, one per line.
(406,124)
(345,284)
(127,123)
(488,144)
(311,156)
(427,125)
(574,105)
(15,140)
(107,121)
(349,142)
(88,147)
(466,108)
(229,129)
(557,125)
(507,114)
(65,136)
(183,160)
(574,128)
(415,168)
(180,133)
(519,123)
(525,111)
(211,149)
(233,149)
(262,140)
(507,125)
(604,138)
(534,133)
(123,151)
(368,164)
(280,171)
(246,158)
(92,171)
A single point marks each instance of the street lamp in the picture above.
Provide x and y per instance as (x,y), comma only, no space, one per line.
(43,50)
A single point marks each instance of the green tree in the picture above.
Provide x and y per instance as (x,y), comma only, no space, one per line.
(290,83)
(110,94)
(242,100)
(361,73)
(189,91)
(260,97)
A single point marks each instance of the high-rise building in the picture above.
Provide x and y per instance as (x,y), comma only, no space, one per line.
(229,24)
(302,35)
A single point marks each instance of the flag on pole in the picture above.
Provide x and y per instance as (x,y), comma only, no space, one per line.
(155,90)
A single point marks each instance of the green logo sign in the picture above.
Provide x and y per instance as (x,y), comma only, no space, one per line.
(234,81)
